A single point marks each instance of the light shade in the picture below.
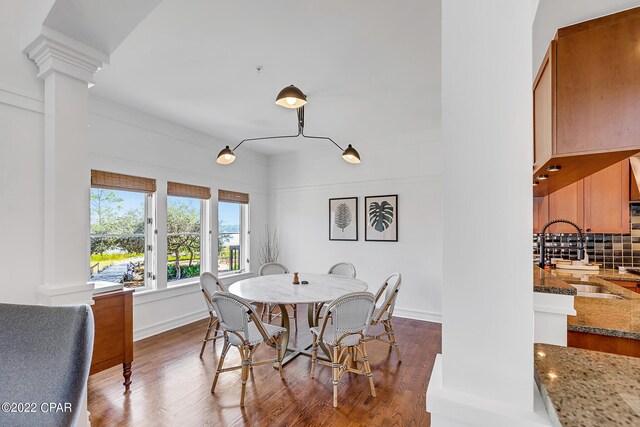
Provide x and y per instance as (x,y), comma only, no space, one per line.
(351,155)
(291,97)
(226,156)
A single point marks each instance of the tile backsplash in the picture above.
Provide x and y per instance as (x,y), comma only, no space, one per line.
(610,250)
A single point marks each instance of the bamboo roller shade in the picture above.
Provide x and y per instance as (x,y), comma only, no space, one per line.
(118,181)
(188,190)
(233,196)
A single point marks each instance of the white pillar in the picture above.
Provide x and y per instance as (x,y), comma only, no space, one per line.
(66,66)
(485,373)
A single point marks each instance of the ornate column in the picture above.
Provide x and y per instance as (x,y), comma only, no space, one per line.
(67,68)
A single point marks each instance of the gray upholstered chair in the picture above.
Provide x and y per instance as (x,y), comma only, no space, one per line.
(244,330)
(209,284)
(345,269)
(45,357)
(384,313)
(275,268)
(351,315)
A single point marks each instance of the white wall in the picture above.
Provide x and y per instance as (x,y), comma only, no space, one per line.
(21,153)
(119,137)
(128,141)
(409,165)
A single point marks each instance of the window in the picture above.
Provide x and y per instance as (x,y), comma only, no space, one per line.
(119,236)
(184,237)
(233,235)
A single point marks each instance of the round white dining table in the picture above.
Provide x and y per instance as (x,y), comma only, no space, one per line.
(279,289)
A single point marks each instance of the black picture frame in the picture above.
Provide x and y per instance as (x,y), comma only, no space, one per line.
(349,219)
(390,233)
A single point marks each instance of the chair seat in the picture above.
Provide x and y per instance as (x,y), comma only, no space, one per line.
(255,337)
(331,336)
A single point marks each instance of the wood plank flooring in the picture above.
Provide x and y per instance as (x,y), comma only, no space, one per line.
(171,385)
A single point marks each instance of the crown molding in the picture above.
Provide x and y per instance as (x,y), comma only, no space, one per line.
(53,51)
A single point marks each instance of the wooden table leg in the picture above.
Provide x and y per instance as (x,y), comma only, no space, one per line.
(126,372)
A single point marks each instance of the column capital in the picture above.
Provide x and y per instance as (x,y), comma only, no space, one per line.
(53,51)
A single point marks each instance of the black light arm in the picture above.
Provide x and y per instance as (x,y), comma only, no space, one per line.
(300,112)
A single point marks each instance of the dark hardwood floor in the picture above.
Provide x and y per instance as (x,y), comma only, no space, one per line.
(171,385)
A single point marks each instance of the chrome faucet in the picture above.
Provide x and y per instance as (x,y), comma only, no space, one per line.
(541,239)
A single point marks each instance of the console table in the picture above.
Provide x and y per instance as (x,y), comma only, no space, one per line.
(113,343)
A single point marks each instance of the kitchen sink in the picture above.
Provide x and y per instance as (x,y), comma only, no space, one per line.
(598,295)
(591,290)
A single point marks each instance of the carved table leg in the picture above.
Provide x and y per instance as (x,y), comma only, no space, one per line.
(126,372)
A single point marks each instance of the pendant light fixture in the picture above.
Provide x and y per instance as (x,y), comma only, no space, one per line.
(293,98)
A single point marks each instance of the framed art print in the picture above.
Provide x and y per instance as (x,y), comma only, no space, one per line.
(381,217)
(343,219)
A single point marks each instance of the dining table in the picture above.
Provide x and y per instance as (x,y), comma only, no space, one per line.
(279,289)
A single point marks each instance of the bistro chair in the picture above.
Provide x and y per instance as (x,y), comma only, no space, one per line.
(384,313)
(209,284)
(244,330)
(345,269)
(267,270)
(351,315)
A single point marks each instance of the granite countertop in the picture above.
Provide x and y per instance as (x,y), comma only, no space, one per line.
(611,274)
(546,282)
(610,317)
(588,388)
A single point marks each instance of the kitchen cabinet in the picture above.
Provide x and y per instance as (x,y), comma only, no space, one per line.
(586,100)
(598,203)
(598,84)
(604,343)
(567,203)
(540,212)
(606,200)
(544,92)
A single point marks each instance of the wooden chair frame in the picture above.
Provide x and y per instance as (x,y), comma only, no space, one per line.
(246,353)
(343,359)
(389,335)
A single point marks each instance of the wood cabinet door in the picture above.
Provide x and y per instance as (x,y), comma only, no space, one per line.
(540,212)
(544,94)
(598,84)
(567,203)
(606,200)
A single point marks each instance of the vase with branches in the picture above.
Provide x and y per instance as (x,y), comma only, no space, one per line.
(269,247)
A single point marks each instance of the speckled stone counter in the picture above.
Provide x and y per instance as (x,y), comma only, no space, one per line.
(588,388)
(611,317)
(609,274)
(546,282)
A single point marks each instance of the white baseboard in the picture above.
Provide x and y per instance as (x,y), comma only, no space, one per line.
(426,316)
(167,325)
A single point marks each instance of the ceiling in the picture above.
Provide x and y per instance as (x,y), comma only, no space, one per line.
(370,68)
